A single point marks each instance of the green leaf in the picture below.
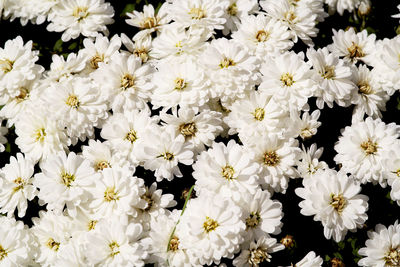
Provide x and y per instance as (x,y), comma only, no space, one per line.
(58,45)
(128,9)
(341,245)
(327,258)
(338,255)
(8,148)
(73,46)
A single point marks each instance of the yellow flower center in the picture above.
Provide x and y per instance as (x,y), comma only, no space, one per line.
(20,184)
(67,178)
(6,65)
(80,12)
(101,165)
(228,172)
(127,81)
(253,220)
(271,158)
(232,9)
(3,253)
(287,79)
(174,243)
(226,63)
(94,61)
(114,247)
(329,72)
(168,156)
(110,194)
(52,244)
(262,36)
(72,101)
(338,202)
(258,256)
(355,51)
(131,136)
(148,23)
(147,197)
(364,88)
(197,13)
(290,16)
(188,129)
(92,224)
(180,84)
(40,134)
(392,257)
(210,225)
(369,147)
(142,53)
(23,94)
(259,114)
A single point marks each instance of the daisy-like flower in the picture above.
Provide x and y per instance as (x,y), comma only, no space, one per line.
(287,78)
(334,78)
(140,48)
(363,147)
(277,159)
(353,47)
(198,129)
(179,83)
(370,99)
(17,65)
(115,244)
(16,243)
(307,125)
(392,172)
(333,198)
(261,215)
(263,35)
(64,181)
(310,260)
(231,70)
(258,252)
(163,150)
(124,82)
(341,5)
(382,248)
(39,9)
(86,17)
(16,186)
(236,11)
(212,228)
(39,136)
(309,162)
(72,254)
(61,68)
(78,105)
(226,170)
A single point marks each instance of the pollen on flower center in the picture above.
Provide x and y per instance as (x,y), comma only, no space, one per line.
(210,225)
(127,81)
(290,16)
(148,23)
(188,129)
(338,202)
(259,114)
(168,156)
(67,178)
(398,173)
(174,244)
(253,220)
(80,12)
(355,51)
(271,158)
(92,224)
(101,165)
(329,72)
(287,79)
(40,134)
(226,62)
(369,147)
(147,197)
(73,101)
(197,13)
(262,36)
(131,136)
(257,256)
(110,194)
(365,88)
(52,244)
(142,53)
(23,94)
(3,253)
(392,258)
(6,65)
(114,247)
(180,84)
(20,184)
(228,172)
(94,61)
(232,9)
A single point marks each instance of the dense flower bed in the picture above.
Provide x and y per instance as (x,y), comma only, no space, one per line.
(199,132)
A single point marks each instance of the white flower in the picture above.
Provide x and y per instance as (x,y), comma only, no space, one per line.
(75,17)
(307,125)
(226,170)
(236,11)
(392,171)
(61,68)
(310,260)
(64,181)
(363,147)
(309,162)
(39,9)
(382,247)
(140,48)
(287,78)
(333,198)
(258,252)
(16,185)
(212,228)
(163,150)
(72,254)
(341,5)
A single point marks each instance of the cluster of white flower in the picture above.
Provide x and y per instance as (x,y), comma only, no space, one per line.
(161,102)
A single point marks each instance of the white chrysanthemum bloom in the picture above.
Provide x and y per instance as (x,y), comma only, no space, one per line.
(307,125)
(39,9)
(40,136)
(315,6)
(125,132)
(353,47)
(163,149)
(140,48)
(236,11)
(179,83)
(310,260)
(99,50)
(333,76)
(212,228)
(72,254)
(299,18)
(363,147)
(287,77)
(230,68)
(116,194)
(175,42)
(18,9)
(100,156)
(78,106)
(166,250)
(75,17)
(370,98)
(124,82)
(64,181)
(112,243)
(341,5)
(309,162)
(258,252)
(277,159)
(198,129)
(262,35)
(226,170)
(16,185)
(382,248)
(3,139)
(392,172)
(199,14)
(51,232)
(262,215)
(17,65)
(258,113)
(333,198)
(63,69)
(16,243)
